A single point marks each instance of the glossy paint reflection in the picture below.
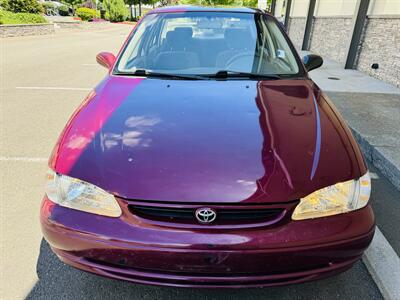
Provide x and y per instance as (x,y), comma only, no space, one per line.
(176,140)
(209,141)
(134,135)
(87,121)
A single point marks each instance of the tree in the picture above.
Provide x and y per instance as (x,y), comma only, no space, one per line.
(164,2)
(130,3)
(116,10)
(245,3)
(89,4)
(250,3)
(23,6)
(72,3)
(4,4)
(209,2)
(138,2)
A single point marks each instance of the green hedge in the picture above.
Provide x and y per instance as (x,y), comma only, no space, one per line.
(50,9)
(85,13)
(63,10)
(22,6)
(116,10)
(7,17)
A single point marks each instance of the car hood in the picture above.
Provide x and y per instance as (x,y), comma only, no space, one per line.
(207,141)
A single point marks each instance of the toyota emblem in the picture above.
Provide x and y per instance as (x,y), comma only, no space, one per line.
(205,215)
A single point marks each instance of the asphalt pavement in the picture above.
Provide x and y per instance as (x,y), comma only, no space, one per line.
(386,205)
(43,79)
(371,108)
(59,281)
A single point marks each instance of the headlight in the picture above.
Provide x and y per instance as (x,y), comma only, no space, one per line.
(80,195)
(335,199)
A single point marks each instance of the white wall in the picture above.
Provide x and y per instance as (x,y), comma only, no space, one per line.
(262,4)
(341,7)
(335,7)
(384,7)
(299,8)
(279,8)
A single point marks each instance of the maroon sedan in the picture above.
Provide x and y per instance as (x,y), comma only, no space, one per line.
(208,158)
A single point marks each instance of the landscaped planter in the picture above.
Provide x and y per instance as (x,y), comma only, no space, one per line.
(10,30)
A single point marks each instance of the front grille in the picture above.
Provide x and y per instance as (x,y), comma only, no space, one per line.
(205,271)
(239,215)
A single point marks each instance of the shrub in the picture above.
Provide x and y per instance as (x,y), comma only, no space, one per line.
(4,4)
(88,4)
(7,17)
(250,3)
(50,9)
(85,13)
(25,6)
(116,9)
(63,10)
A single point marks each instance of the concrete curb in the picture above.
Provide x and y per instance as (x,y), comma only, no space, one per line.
(381,260)
(384,266)
(378,159)
(15,30)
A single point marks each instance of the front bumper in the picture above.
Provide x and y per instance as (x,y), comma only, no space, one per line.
(287,253)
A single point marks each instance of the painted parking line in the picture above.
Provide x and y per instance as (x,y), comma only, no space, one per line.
(383,264)
(52,88)
(23,159)
(373,175)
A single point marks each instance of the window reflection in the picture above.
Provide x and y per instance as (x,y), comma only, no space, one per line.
(135,136)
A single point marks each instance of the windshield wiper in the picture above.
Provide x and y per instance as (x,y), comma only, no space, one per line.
(147,73)
(223,74)
(235,74)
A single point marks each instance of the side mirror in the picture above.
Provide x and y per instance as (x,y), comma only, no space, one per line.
(312,61)
(105,59)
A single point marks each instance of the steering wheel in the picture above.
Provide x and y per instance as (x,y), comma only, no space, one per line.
(240,59)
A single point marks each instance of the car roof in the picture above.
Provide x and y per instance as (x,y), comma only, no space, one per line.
(189,8)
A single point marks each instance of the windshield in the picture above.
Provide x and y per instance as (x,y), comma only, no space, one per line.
(201,43)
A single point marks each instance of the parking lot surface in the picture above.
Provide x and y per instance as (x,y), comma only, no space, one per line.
(43,79)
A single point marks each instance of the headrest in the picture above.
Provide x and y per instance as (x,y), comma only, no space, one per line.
(184,32)
(179,34)
(238,38)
